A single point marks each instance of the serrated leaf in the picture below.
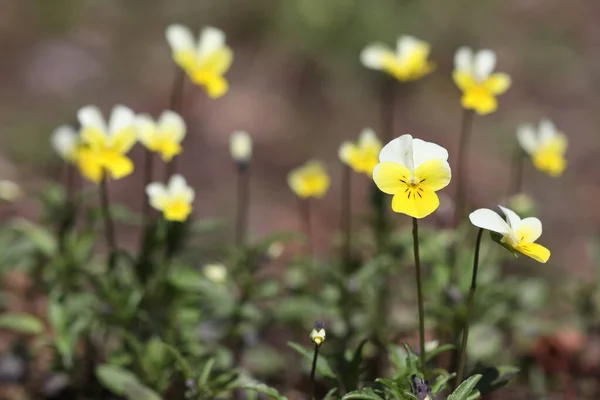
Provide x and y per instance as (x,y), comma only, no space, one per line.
(22,323)
(323,367)
(463,391)
(116,379)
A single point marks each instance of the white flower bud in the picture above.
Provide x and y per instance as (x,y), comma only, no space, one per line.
(240,147)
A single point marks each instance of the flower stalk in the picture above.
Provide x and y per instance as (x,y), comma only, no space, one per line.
(243,194)
(109,228)
(415,233)
(518,170)
(470,300)
(461,167)
(304,213)
(346,206)
(175,104)
(313,369)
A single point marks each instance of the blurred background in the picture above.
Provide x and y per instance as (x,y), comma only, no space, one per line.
(298,87)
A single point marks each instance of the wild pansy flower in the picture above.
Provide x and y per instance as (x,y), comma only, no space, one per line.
(163,136)
(240,147)
(518,235)
(546,146)
(473,74)
(65,141)
(318,333)
(206,60)
(309,180)
(409,62)
(104,146)
(412,170)
(174,200)
(363,155)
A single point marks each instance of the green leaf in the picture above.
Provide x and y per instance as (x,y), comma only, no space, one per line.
(494,378)
(116,379)
(363,394)
(323,367)
(440,382)
(463,391)
(438,350)
(137,391)
(206,372)
(43,239)
(22,323)
(264,389)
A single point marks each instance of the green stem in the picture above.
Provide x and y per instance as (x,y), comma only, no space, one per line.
(465,336)
(243,193)
(517,179)
(461,166)
(415,232)
(313,370)
(304,212)
(148,178)
(109,228)
(345,215)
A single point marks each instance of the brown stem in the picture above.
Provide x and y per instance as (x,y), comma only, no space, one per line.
(461,166)
(345,222)
(109,228)
(243,194)
(175,104)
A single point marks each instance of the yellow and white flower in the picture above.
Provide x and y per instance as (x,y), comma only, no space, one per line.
(240,147)
(309,180)
(412,170)
(409,61)
(163,136)
(65,141)
(517,234)
(104,146)
(206,60)
(473,74)
(546,146)
(174,200)
(363,155)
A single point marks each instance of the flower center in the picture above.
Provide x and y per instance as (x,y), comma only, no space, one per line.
(413,187)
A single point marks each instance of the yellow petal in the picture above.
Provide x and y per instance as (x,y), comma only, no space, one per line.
(498,83)
(416,203)
(390,177)
(218,62)
(216,86)
(463,80)
(310,180)
(434,174)
(534,250)
(93,137)
(89,166)
(177,211)
(118,166)
(480,100)
(124,139)
(186,59)
(168,149)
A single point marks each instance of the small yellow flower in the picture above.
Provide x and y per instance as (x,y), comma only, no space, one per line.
(309,180)
(318,334)
(362,156)
(409,62)
(104,147)
(65,141)
(517,234)
(473,74)
(174,200)
(240,147)
(163,136)
(216,273)
(412,170)
(205,61)
(546,147)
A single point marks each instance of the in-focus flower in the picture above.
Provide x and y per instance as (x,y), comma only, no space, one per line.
(65,141)
(318,334)
(473,74)
(518,235)
(216,273)
(206,60)
(363,155)
(174,200)
(240,147)
(309,180)
(409,62)
(163,136)
(104,146)
(546,146)
(10,191)
(412,170)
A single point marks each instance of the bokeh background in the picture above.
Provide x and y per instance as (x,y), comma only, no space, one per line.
(298,87)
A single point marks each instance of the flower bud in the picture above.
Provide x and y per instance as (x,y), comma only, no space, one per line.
(216,273)
(317,335)
(10,191)
(240,147)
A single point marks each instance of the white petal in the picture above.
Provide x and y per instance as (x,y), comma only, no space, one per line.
(490,220)
(240,146)
(178,187)
(527,138)
(146,128)
(121,117)
(406,44)
(372,55)
(156,194)
(344,152)
(463,60)
(424,151)
(546,131)
(211,40)
(171,125)
(180,38)
(485,62)
(399,150)
(64,141)
(90,116)
(534,226)
(514,221)
(367,136)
